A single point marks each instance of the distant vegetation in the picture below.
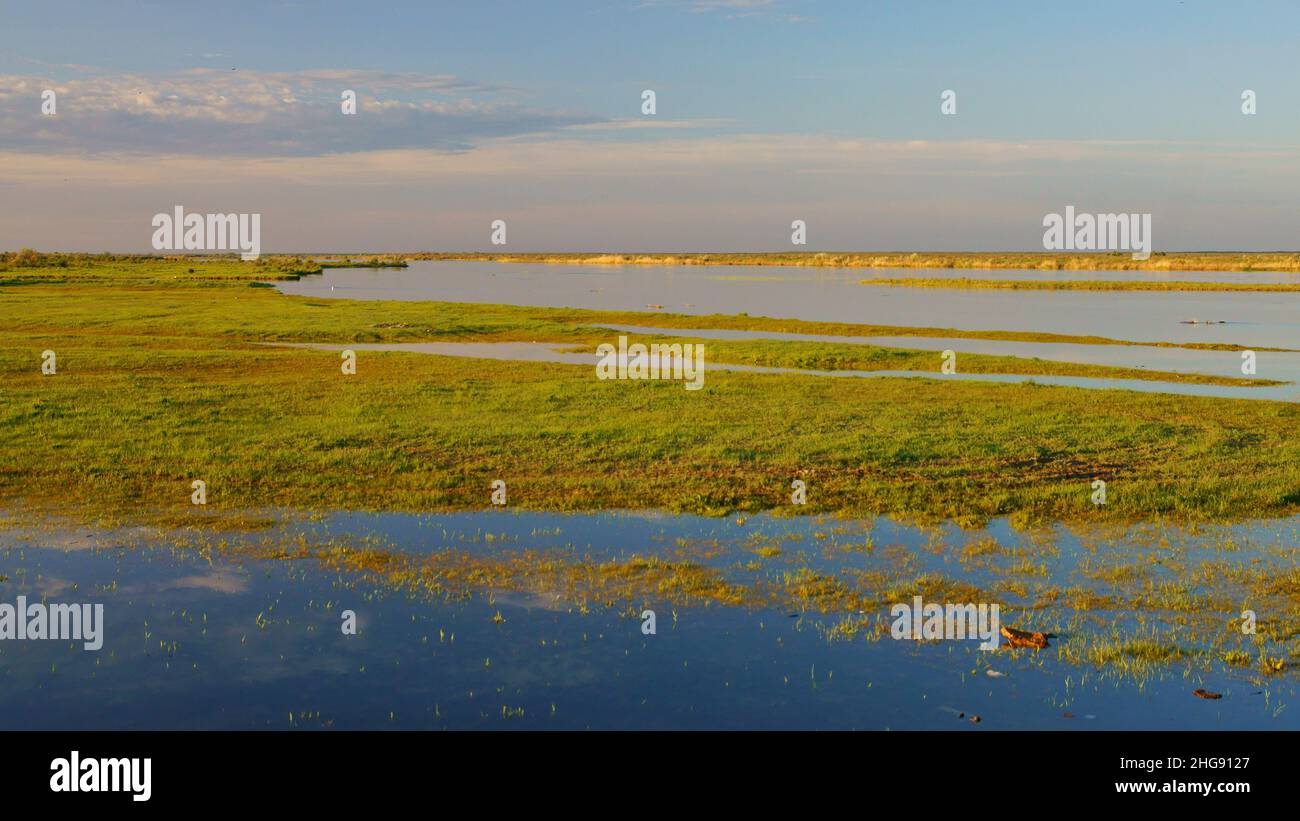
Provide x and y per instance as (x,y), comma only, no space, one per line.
(268,267)
(1078,284)
(1047,261)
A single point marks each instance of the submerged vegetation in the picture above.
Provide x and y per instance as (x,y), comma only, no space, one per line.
(1131,604)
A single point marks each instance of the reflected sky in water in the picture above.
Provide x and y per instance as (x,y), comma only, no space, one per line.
(248,644)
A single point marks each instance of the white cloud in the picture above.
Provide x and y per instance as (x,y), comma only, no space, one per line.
(233,112)
(677,191)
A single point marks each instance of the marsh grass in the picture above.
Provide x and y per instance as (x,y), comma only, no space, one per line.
(162,380)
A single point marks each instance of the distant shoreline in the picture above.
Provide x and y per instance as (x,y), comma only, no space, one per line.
(1080,285)
(1192,261)
(1263,261)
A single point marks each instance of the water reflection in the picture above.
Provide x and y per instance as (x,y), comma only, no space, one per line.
(200,638)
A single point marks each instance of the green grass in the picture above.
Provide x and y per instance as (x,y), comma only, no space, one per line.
(848,357)
(161,382)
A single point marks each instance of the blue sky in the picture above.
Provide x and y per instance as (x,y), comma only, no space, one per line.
(767,112)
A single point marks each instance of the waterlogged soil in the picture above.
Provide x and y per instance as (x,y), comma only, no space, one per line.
(835,295)
(497,619)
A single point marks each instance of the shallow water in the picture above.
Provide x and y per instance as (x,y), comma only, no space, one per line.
(551,352)
(223,643)
(1252,319)
(1281,366)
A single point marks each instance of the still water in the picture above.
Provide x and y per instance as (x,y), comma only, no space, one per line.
(1280,366)
(196,639)
(833,295)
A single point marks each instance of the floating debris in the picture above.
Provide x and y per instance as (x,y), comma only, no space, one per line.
(1024,638)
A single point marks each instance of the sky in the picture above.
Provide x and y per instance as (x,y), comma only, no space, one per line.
(766,112)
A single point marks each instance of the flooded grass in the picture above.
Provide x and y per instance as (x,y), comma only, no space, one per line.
(467,614)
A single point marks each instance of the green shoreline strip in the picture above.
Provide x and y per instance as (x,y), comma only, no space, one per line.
(1101,261)
(1080,285)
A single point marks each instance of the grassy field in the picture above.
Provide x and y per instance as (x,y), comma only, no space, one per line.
(161,381)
